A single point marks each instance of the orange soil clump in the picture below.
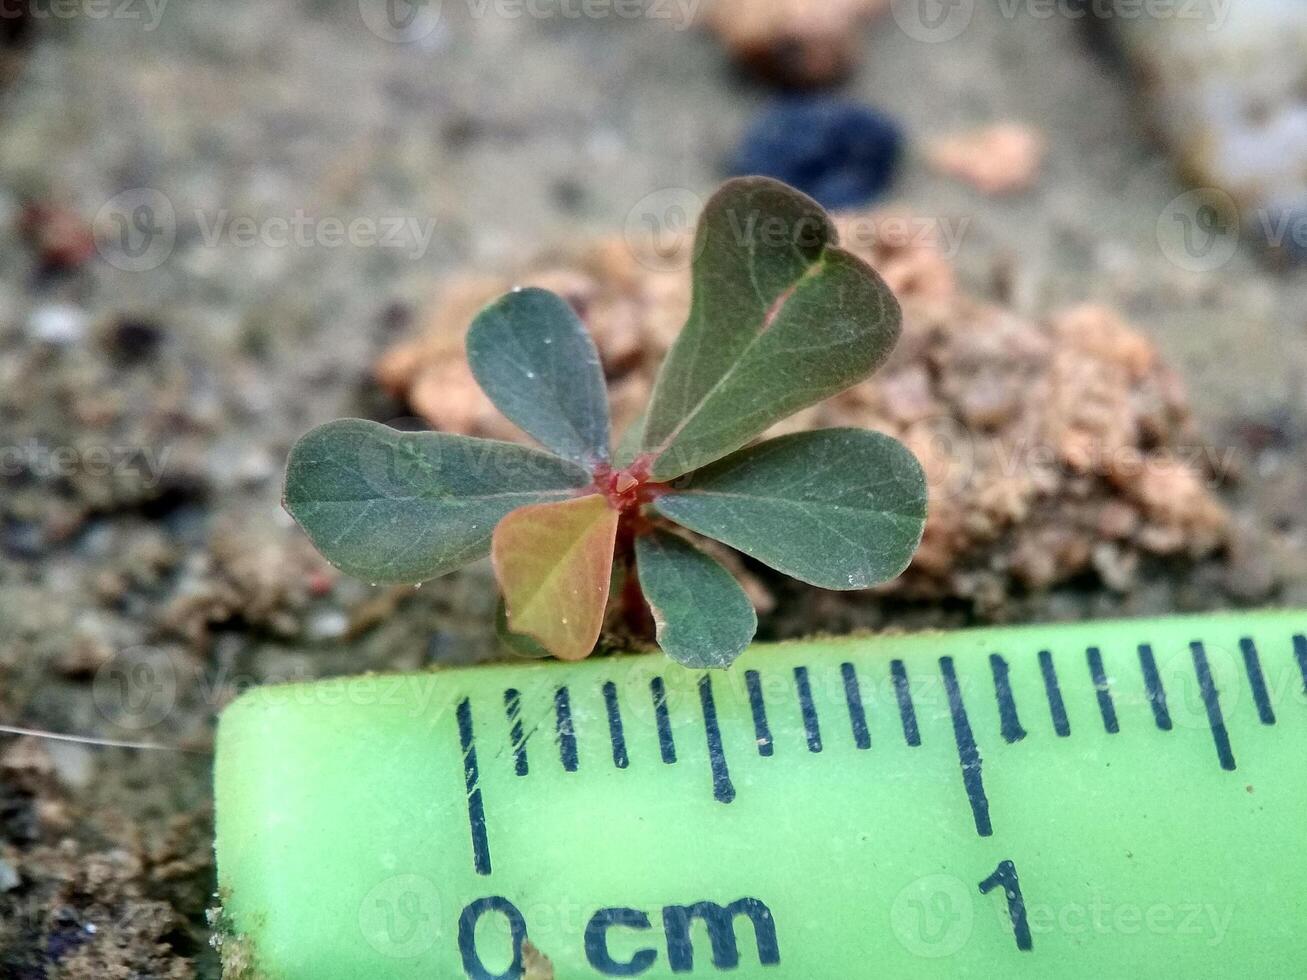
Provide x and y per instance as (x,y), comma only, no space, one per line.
(1001,159)
(802,43)
(1051,448)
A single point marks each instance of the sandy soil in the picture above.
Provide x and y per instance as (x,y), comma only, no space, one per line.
(152,558)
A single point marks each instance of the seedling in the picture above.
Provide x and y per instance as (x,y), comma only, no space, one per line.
(781,319)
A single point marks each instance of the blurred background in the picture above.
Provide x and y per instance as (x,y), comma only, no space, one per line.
(223,222)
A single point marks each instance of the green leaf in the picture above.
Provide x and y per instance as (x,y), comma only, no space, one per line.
(390,506)
(533,357)
(702,615)
(781,319)
(838,508)
(555,565)
(515,643)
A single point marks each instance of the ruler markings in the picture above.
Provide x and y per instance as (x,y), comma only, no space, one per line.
(1153,687)
(857,713)
(1005,877)
(968,751)
(1212,703)
(498,712)
(666,743)
(722,788)
(615,733)
(1300,652)
(1053,691)
(1105,705)
(903,694)
(758,708)
(476,813)
(1257,680)
(565,730)
(1009,721)
(513,710)
(811,728)
(969,756)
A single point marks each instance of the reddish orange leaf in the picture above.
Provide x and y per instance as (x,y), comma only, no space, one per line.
(555,563)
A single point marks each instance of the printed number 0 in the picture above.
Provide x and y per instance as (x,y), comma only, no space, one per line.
(1006,876)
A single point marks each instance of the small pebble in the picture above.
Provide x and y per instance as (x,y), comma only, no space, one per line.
(57,323)
(62,240)
(134,341)
(9,879)
(328,624)
(795,43)
(1000,159)
(255,468)
(74,764)
(321,582)
(842,154)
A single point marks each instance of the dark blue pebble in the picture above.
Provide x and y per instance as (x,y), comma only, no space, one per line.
(842,154)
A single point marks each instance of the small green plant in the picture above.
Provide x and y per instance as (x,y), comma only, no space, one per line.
(781,319)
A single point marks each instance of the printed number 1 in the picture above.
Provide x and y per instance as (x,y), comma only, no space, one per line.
(1006,875)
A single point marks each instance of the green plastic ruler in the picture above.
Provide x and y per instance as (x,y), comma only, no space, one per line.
(1093,800)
